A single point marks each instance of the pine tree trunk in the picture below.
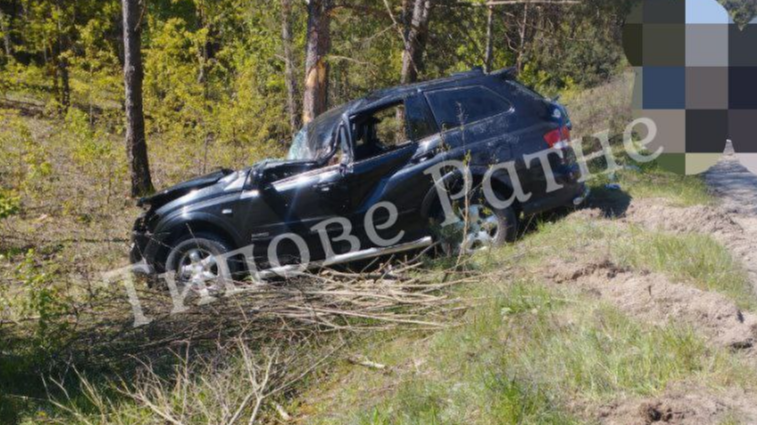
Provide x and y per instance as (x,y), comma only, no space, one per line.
(136,145)
(522,33)
(316,67)
(412,57)
(64,96)
(405,18)
(291,82)
(489,39)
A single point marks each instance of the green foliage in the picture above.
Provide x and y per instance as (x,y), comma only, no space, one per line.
(39,169)
(46,302)
(90,148)
(25,160)
(214,90)
(742,11)
(10,204)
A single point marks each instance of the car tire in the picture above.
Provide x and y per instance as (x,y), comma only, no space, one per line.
(502,224)
(197,253)
(508,219)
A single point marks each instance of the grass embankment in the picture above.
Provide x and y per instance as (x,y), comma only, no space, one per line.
(533,352)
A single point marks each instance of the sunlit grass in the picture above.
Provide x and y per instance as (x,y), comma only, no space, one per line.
(695,259)
(521,357)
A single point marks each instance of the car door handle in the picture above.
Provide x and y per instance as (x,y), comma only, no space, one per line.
(325,187)
(425,157)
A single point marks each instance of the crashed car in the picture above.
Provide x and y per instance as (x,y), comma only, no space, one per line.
(356,183)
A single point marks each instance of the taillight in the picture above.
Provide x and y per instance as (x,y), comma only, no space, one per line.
(553,137)
(559,138)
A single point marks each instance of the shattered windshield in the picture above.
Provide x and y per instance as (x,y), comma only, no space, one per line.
(314,141)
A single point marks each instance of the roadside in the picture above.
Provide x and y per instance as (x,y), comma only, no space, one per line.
(736,188)
(734,185)
(637,309)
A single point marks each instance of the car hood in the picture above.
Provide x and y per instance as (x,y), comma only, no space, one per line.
(174,192)
(275,169)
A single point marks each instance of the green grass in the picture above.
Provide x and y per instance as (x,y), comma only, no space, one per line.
(521,358)
(654,182)
(695,259)
(649,181)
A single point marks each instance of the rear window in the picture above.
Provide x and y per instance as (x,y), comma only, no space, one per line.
(456,107)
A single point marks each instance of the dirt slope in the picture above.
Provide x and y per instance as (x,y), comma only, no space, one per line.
(654,298)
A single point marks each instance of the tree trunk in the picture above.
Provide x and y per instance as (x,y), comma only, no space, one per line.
(405,20)
(412,57)
(64,97)
(61,61)
(5,28)
(489,39)
(291,82)
(136,145)
(207,50)
(316,67)
(523,32)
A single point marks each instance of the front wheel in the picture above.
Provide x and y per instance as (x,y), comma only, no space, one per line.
(196,261)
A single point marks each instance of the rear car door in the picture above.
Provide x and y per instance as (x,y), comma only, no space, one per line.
(475,120)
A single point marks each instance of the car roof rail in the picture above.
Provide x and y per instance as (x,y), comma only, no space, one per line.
(472,73)
(506,73)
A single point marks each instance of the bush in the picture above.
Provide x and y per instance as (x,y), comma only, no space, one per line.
(9,204)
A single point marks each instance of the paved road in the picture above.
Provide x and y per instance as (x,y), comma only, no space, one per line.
(734,184)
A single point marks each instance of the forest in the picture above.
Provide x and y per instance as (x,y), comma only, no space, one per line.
(210,66)
(105,101)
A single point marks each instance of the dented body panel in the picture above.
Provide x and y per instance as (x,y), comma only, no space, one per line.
(345,165)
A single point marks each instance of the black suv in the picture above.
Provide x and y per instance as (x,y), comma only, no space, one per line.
(356,183)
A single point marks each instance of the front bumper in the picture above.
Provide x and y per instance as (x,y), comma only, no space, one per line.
(140,266)
(139,242)
(146,251)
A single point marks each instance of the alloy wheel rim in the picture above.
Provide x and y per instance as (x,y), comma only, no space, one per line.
(482,229)
(198,267)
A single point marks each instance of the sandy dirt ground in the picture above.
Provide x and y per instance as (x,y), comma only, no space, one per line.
(654,298)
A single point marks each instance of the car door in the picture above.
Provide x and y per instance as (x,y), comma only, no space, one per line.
(296,204)
(393,176)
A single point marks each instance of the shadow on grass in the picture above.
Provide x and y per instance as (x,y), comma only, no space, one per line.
(110,353)
(612,202)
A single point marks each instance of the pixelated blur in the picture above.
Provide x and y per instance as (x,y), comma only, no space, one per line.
(696,77)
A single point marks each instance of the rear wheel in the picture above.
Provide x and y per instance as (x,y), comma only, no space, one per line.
(487,227)
(196,261)
(479,227)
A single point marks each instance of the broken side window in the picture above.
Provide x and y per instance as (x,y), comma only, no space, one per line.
(379,132)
